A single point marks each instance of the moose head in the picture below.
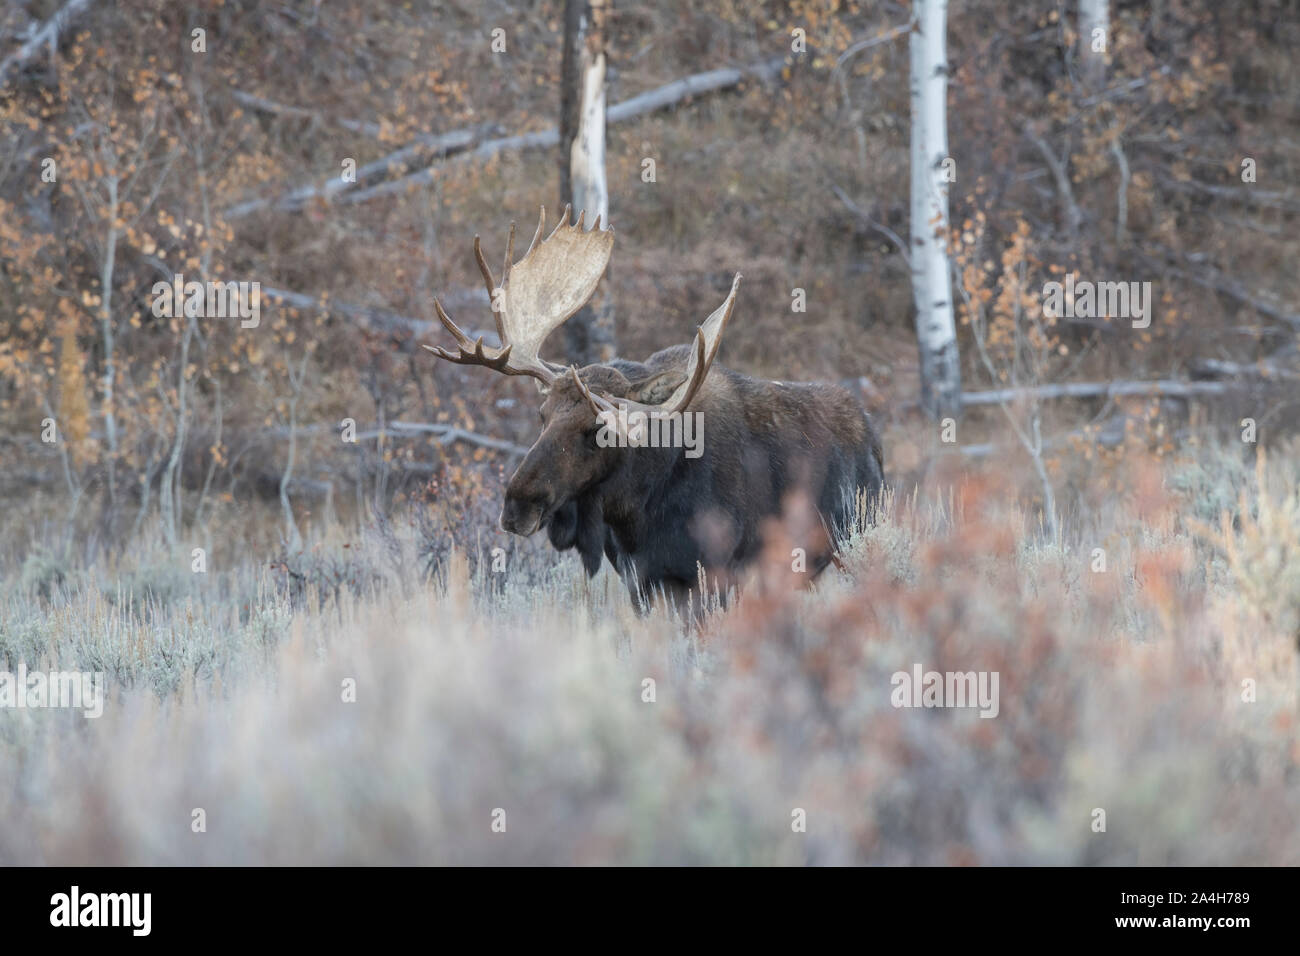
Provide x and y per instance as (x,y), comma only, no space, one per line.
(537,294)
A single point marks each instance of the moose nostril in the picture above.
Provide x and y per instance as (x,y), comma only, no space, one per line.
(523,515)
(509,516)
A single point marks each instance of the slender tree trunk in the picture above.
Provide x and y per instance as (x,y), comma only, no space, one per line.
(212,462)
(169,491)
(106,325)
(292,535)
(936,332)
(171,495)
(589,335)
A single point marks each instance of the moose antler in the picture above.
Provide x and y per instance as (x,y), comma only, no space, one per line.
(554,279)
(707,340)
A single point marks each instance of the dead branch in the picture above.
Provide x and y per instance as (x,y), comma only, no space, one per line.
(447,434)
(441,146)
(1269,367)
(264,105)
(1215,280)
(870,223)
(442,434)
(1272,199)
(544,139)
(1167,388)
(1107,434)
(670,94)
(382,320)
(868,43)
(661,97)
(1072,214)
(46,35)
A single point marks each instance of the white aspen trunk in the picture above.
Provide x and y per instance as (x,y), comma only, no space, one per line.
(1094,16)
(589,335)
(936,331)
(587,156)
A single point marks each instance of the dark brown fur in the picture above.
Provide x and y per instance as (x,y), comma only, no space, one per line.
(658,515)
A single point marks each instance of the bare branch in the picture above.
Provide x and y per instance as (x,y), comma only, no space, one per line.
(868,43)
(870,223)
(1211,278)
(47,35)
(1272,199)
(264,105)
(1073,215)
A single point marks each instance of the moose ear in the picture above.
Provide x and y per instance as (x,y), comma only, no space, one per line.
(655,390)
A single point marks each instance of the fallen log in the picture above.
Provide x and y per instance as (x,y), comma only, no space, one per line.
(1167,388)
(443,146)
(443,434)
(659,98)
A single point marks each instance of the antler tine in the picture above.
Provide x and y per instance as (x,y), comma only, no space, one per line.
(483,268)
(498,308)
(510,255)
(704,350)
(564,219)
(438,351)
(707,340)
(598,403)
(709,337)
(462,339)
(578,225)
(699,370)
(537,236)
(499,362)
(477,353)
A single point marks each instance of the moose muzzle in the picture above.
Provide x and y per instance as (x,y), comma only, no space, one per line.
(522,516)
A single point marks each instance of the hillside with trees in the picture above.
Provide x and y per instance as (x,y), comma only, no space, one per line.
(1050,246)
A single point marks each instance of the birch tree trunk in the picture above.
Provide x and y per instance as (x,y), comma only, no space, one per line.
(1094,31)
(589,335)
(936,332)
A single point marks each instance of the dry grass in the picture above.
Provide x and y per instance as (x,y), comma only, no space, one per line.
(1120,690)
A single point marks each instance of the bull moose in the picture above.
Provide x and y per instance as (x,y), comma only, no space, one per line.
(659,514)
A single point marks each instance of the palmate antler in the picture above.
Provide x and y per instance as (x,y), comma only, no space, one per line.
(707,339)
(554,279)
